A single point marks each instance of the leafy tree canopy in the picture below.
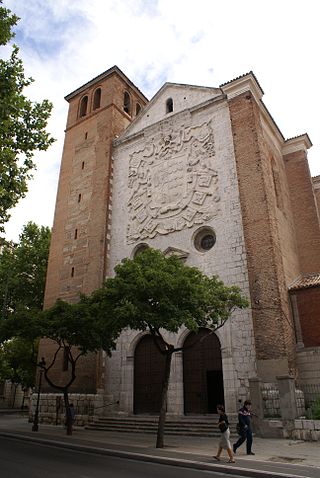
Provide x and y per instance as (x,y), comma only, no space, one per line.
(7,21)
(17,362)
(68,325)
(22,124)
(23,267)
(153,292)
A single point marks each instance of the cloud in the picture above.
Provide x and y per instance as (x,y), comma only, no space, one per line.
(65,43)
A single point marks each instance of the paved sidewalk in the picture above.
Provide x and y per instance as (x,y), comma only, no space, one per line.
(272,456)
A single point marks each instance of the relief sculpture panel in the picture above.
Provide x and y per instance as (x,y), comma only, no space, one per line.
(172,182)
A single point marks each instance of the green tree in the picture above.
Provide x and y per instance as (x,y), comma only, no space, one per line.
(7,21)
(23,268)
(22,124)
(17,363)
(155,293)
(75,329)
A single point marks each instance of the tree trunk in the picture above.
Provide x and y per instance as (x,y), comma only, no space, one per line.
(14,394)
(68,413)
(164,397)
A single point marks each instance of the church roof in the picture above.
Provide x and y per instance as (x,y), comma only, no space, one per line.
(305,282)
(102,76)
(243,76)
(303,136)
(191,96)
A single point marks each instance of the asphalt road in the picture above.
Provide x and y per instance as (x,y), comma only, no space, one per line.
(20,459)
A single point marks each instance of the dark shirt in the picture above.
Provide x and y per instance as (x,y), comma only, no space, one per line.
(223,418)
(244,417)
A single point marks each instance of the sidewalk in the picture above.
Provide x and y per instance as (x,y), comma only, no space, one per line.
(272,456)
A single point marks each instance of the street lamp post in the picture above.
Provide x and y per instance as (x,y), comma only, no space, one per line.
(35,426)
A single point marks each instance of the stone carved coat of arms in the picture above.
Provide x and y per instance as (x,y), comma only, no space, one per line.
(172,182)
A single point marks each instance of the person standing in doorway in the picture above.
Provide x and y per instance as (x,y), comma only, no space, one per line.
(245,428)
(224,443)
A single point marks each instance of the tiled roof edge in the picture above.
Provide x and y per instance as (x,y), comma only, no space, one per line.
(242,76)
(305,281)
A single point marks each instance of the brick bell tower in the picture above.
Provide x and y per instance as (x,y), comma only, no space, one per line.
(98,112)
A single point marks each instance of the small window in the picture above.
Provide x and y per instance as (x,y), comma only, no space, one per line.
(97,99)
(139,248)
(76,234)
(79,198)
(86,136)
(126,103)
(82,165)
(72,271)
(169,105)
(138,109)
(207,242)
(83,106)
(204,239)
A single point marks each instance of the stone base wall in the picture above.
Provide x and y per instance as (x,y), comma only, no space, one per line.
(308,362)
(308,430)
(299,429)
(14,396)
(52,409)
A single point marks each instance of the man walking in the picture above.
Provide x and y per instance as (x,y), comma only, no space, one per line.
(245,429)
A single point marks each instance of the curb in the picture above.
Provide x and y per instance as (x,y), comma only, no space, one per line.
(198,465)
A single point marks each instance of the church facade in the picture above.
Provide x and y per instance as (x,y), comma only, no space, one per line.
(206,174)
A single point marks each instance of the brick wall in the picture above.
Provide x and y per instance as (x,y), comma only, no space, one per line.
(273,332)
(77,259)
(308,301)
(304,210)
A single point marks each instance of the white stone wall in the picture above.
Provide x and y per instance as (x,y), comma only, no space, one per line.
(183,97)
(176,141)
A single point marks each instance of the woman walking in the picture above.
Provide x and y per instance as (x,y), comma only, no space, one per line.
(224,443)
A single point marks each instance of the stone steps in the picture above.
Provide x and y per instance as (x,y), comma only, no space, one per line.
(202,426)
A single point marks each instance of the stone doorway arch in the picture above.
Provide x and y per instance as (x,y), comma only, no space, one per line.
(149,366)
(202,373)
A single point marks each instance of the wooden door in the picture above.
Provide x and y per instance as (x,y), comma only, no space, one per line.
(149,366)
(202,373)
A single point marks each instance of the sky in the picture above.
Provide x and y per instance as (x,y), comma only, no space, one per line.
(66,43)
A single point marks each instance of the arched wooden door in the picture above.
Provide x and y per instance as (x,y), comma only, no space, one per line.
(202,373)
(149,365)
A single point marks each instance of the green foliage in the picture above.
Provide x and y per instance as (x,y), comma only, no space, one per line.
(69,325)
(78,325)
(314,411)
(23,269)
(74,328)
(153,292)
(22,124)
(17,362)
(7,21)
